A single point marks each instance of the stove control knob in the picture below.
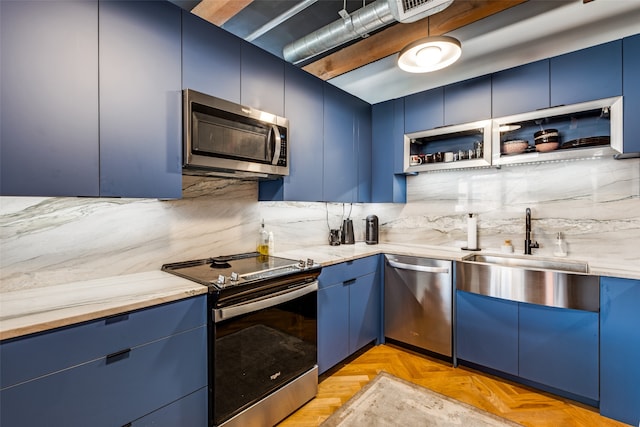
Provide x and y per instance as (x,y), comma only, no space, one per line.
(301,263)
(309,262)
(221,280)
(234,277)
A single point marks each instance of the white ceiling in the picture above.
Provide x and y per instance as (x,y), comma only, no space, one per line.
(514,37)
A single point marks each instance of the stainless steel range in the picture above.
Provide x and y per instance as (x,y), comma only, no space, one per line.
(262,335)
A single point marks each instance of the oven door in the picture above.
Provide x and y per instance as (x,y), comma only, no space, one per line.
(260,346)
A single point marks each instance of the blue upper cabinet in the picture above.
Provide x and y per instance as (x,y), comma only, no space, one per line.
(303,106)
(467,101)
(587,74)
(262,77)
(631,92)
(424,110)
(140,99)
(340,168)
(520,89)
(387,151)
(362,129)
(210,59)
(620,349)
(49,99)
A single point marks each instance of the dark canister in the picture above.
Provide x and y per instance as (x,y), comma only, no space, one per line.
(371,230)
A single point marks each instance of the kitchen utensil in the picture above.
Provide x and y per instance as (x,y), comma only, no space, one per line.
(546,146)
(347,237)
(591,141)
(546,135)
(371,230)
(334,237)
(515,146)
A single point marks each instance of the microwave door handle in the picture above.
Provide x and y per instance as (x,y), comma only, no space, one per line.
(278,144)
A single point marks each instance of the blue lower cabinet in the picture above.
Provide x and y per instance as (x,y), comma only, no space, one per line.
(112,390)
(364,311)
(559,348)
(349,309)
(487,331)
(333,321)
(191,410)
(620,349)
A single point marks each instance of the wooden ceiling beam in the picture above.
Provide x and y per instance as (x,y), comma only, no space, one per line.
(219,11)
(391,40)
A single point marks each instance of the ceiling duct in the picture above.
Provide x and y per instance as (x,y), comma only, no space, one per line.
(359,24)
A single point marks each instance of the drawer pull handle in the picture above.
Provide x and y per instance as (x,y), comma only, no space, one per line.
(116,319)
(118,355)
(349,282)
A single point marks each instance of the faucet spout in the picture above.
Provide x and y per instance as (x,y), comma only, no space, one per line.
(528,245)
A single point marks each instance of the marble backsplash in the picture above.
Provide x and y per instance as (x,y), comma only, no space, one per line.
(594,203)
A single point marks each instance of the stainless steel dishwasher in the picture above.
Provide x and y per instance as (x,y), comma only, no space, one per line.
(418,301)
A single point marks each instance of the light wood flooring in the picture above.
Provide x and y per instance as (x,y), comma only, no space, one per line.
(501,397)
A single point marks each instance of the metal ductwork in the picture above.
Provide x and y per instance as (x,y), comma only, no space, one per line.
(359,24)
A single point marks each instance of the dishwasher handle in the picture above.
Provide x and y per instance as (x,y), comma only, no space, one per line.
(421,268)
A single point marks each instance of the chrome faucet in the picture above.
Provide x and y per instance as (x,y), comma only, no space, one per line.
(528,245)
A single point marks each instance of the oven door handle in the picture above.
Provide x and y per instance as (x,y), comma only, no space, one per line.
(221,314)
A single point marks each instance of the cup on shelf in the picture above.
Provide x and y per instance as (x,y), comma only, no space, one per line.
(415,160)
(448,156)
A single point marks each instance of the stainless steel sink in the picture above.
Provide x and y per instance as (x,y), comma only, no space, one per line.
(553,283)
(530,263)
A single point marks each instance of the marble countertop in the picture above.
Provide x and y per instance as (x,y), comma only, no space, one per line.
(39,309)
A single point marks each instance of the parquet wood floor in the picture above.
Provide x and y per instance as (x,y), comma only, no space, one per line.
(518,403)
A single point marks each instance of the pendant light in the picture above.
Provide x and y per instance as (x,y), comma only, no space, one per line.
(429,54)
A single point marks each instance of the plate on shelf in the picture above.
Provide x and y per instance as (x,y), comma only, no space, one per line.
(592,141)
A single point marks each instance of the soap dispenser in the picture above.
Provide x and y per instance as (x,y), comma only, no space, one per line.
(263,241)
(561,246)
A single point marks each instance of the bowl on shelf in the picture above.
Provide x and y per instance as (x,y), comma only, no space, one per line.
(544,147)
(546,136)
(515,146)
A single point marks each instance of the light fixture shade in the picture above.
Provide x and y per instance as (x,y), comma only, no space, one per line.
(429,54)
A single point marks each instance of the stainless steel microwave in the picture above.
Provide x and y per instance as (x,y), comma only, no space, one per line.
(222,138)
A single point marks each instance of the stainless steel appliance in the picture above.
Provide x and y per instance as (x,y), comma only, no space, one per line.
(347,235)
(262,335)
(222,138)
(371,230)
(418,301)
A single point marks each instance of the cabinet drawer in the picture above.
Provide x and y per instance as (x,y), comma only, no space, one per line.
(112,391)
(189,411)
(347,270)
(30,357)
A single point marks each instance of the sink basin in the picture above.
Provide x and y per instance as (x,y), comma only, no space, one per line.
(529,263)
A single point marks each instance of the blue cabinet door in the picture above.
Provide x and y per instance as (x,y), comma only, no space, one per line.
(620,349)
(140,99)
(364,311)
(112,390)
(191,410)
(262,77)
(388,185)
(587,74)
(340,167)
(467,101)
(631,93)
(487,331)
(559,348)
(210,59)
(303,106)
(424,110)
(520,89)
(49,99)
(333,321)
(362,128)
